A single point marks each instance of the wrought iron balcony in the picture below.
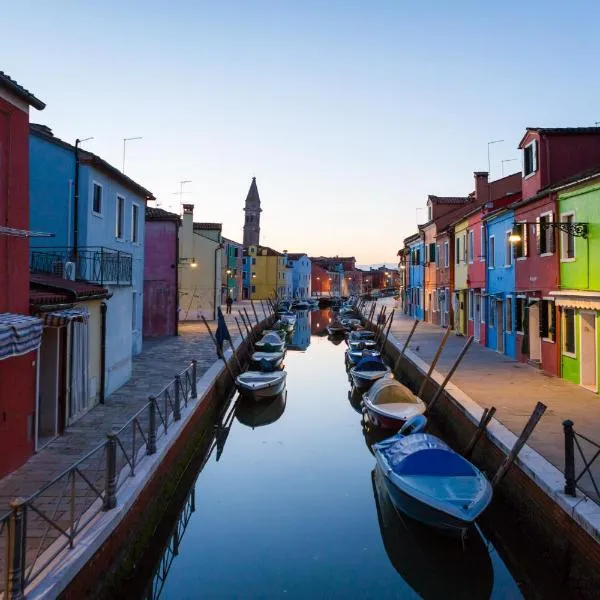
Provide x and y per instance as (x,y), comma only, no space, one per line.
(95,264)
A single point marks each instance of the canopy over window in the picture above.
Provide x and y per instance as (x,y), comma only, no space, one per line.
(583,299)
(60,318)
(19,334)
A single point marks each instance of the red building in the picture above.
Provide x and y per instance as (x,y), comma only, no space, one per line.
(550,155)
(321,284)
(20,334)
(161,257)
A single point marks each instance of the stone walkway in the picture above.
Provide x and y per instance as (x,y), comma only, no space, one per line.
(514,388)
(153,369)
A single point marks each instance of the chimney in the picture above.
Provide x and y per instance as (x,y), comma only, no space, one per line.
(187,232)
(482,187)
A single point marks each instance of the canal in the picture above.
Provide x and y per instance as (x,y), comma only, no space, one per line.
(288,505)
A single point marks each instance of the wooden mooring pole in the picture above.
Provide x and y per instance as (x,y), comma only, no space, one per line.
(486,417)
(255,313)
(534,419)
(397,363)
(220,354)
(434,362)
(387,331)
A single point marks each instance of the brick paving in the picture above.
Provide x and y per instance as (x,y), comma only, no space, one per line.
(514,388)
(153,369)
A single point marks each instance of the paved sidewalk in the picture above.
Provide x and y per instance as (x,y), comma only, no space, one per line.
(514,388)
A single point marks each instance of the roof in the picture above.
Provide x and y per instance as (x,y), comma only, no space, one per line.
(564,130)
(259,251)
(19,91)
(43,131)
(208,226)
(51,289)
(232,242)
(448,199)
(411,238)
(253,199)
(158,214)
(296,255)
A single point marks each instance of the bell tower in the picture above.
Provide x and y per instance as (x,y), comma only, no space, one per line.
(252,218)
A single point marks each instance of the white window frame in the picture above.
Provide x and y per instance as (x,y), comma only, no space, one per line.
(121,237)
(98,184)
(508,249)
(482,248)
(483,307)
(446,254)
(564,333)
(471,246)
(512,325)
(135,223)
(564,240)
(471,304)
(492,254)
(438,258)
(549,214)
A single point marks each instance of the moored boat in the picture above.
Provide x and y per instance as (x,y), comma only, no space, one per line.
(271,342)
(389,404)
(258,385)
(336,328)
(354,355)
(367,371)
(431,483)
(301,305)
(361,336)
(267,361)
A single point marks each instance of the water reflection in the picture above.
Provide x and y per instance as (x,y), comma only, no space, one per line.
(257,414)
(434,566)
(300,337)
(319,319)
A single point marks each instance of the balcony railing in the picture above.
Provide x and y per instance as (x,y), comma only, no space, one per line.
(95,264)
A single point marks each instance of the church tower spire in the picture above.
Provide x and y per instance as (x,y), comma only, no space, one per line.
(252,220)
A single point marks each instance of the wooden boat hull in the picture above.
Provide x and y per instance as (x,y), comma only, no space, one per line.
(364,380)
(333,331)
(262,394)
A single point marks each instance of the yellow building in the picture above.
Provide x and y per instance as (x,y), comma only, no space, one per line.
(200,249)
(461,291)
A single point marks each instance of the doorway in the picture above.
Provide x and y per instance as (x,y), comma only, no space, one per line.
(50,391)
(477,317)
(500,326)
(535,341)
(588,350)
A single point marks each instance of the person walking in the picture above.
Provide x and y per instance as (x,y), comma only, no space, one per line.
(228,302)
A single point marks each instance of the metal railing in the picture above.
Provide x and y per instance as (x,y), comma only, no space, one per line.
(585,448)
(37,529)
(95,264)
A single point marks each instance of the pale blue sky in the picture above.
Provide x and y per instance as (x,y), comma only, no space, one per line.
(348,113)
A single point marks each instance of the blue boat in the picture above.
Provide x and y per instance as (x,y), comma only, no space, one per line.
(367,371)
(431,483)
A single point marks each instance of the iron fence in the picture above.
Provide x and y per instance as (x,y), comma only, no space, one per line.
(583,460)
(95,264)
(40,527)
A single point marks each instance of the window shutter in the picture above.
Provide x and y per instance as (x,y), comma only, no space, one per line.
(534,153)
(432,252)
(551,233)
(525,239)
(552,319)
(538,235)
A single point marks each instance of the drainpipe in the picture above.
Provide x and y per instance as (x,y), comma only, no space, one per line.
(217,292)
(103,309)
(76,200)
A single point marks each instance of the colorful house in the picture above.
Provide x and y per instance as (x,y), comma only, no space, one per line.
(264,272)
(578,298)
(20,334)
(321,285)
(416,275)
(301,274)
(200,248)
(461,292)
(96,214)
(232,270)
(161,258)
(500,331)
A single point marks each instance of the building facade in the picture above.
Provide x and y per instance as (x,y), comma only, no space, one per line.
(301,275)
(460,303)
(232,270)
(252,212)
(416,276)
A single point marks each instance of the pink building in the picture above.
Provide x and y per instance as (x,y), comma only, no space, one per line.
(161,257)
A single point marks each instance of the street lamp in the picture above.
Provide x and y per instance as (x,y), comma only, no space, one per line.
(125,140)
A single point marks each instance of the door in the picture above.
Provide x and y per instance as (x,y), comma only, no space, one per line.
(535,342)
(49,390)
(500,325)
(78,371)
(477,316)
(429,309)
(588,350)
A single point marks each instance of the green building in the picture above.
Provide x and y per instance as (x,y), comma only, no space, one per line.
(578,298)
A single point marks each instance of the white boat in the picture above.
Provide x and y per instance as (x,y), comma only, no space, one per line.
(431,483)
(258,384)
(362,344)
(361,336)
(301,305)
(389,404)
(354,355)
(267,361)
(367,371)
(270,342)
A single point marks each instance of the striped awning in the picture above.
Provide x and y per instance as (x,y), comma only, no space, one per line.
(19,334)
(582,299)
(60,318)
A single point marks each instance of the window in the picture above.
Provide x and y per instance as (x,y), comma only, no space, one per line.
(120,217)
(135,211)
(547,321)
(432,253)
(482,244)
(438,258)
(457,250)
(253,260)
(471,304)
(471,251)
(429,213)
(508,250)
(567,242)
(569,327)
(492,318)
(520,248)
(97,199)
(253,289)
(492,253)
(446,254)
(520,315)
(545,234)
(530,159)
(508,316)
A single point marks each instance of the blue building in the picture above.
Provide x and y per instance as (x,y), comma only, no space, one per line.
(500,283)
(302,267)
(416,275)
(96,214)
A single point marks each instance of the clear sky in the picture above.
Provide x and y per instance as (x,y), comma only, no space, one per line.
(348,113)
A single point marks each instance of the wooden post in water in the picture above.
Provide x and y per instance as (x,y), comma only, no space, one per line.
(387,331)
(220,354)
(457,362)
(381,322)
(434,362)
(240,329)
(486,417)
(248,330)
(397,363)
(265,313)
(255,314)
(249,321)
(534,419)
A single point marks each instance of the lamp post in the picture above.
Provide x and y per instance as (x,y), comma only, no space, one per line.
(125,140)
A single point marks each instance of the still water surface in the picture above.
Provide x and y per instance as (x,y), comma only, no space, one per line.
(294,509)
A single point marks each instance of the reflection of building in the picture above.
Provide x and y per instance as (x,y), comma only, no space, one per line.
(319,319)
(302,331)
(200,250)
(321,285)
(232,270)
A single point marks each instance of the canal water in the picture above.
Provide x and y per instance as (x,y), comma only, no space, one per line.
(293,507)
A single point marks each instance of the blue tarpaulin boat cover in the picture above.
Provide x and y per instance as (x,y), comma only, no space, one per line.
(19,334)
(370,363)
